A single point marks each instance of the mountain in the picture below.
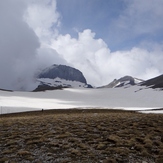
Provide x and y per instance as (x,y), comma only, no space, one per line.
(60,76)
(63,72)
(124,81)
(156,82)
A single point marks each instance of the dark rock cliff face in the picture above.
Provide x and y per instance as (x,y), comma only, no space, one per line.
(63,72)
(44,87)
(60,76)
(156,82)
(130,80)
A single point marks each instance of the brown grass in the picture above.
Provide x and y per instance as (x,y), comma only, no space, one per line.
(81,136)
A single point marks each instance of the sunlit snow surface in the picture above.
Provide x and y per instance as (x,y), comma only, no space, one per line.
(132,98)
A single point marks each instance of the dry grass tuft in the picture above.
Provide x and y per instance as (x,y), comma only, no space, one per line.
(81,136)
(23,153)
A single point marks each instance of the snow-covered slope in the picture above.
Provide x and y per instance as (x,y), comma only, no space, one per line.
(132,98)
(61,82)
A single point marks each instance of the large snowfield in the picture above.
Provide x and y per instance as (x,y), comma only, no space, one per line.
(132,98)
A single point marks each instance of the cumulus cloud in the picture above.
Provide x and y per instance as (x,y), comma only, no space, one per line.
(43,18)
(48,56)
(100,65)
(26,28)
(18,44)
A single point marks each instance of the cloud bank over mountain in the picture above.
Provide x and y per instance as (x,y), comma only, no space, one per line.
(18,45)
(32,38)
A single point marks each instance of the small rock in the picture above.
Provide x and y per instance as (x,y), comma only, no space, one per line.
(23,153)
(66,146)
(109,161)
(101,146)
(4,159)
(159,160)
(83,146)
(75,151)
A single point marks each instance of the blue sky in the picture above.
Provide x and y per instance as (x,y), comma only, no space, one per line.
(104,17)
(96,15)
(104,39)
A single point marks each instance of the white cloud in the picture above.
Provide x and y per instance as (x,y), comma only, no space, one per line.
(47,56)
(100,65)
(85,53)
(139,18)
(18,44)
(42,17)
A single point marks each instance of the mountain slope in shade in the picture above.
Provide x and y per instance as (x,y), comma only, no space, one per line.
(124,81)
(63,72)
(156,82)
(61,76)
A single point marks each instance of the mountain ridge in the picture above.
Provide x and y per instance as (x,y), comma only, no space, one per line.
(123,81)
(156,82)
(63,76)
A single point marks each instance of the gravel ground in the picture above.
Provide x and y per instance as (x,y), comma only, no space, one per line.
(81,136)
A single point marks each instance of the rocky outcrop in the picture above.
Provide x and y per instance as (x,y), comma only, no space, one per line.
(60,76)
(124,81)
(63,72)
(156,82)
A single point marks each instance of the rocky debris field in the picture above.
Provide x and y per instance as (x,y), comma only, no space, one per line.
(81,136)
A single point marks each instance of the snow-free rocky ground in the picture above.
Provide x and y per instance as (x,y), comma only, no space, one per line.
(81,136)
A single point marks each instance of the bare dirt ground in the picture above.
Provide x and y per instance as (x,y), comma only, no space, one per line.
(81,136)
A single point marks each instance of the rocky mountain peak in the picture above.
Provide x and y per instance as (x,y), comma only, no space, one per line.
(60,76)
(63,72)
(124,81)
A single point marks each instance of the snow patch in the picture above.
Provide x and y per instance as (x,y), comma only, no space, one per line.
(61,82)
(113,98)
